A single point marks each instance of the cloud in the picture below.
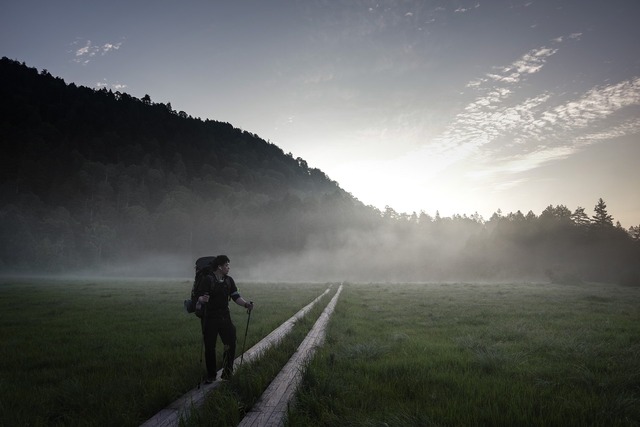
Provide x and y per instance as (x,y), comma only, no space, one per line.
(108,47)
(530,63)
(318,76)
(628,127)
(505,134)
(523,162)
(489,116)
(506,185)
(466,9)
(597,104)
(114,86)
(84,54)
(572,36)
(558,132)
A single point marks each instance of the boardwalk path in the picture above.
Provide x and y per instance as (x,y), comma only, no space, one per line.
(271,409)
(170,416)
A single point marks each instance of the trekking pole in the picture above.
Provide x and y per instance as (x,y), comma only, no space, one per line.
(203,325)
(200,364)
(245,334)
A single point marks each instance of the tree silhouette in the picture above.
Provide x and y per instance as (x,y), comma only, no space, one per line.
(98,177)
(579,217)
(601,217)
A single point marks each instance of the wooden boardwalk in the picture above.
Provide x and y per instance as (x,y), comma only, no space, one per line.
(271,409)
(170,416)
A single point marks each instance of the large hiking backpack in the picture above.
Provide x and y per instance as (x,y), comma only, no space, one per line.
(204,267)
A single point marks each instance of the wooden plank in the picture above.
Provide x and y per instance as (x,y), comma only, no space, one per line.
(271,408)
(277,334)
(170,416)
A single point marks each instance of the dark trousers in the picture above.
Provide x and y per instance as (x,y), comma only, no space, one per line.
(211,328)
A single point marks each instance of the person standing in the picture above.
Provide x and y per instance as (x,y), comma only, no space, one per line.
(214,293)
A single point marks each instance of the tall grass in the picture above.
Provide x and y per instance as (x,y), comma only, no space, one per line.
(115,352)
(89,353)
(462,354)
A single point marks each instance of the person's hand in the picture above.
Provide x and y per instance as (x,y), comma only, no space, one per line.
(203,298)
(249,305)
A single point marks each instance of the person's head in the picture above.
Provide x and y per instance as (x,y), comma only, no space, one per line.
(221,263)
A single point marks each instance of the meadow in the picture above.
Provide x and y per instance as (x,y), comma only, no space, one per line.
(112,352)
(115,352)
(477,354)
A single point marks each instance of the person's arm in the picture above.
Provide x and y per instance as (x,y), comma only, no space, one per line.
(235,296)
(246,304)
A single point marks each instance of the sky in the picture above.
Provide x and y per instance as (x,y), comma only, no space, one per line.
(448,107)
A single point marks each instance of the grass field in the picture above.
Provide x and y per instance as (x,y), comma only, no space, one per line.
(467,354)
(115,352)
(227,404)
(112,353)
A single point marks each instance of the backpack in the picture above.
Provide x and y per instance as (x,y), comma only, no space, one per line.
(203,268)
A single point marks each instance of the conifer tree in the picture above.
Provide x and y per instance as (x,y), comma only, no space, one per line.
(579,217)
(602,217)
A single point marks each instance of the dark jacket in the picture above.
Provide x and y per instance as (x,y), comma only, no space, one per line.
(219,294)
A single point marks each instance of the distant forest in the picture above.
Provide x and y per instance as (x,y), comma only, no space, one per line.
(94,180)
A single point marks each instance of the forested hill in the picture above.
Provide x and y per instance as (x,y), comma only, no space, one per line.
(94,181)
(92,177)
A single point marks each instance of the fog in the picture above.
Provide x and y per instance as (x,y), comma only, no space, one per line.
(394,251)
(322,246)
(139,190)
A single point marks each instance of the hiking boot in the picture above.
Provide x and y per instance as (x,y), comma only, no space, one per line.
(209,380)
(225,376)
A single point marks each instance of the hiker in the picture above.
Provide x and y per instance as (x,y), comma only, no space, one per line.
(216,291)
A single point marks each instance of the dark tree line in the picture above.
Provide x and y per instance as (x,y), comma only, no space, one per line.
(93,178)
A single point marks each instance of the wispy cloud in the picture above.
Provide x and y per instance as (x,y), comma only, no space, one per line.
(627,127)
(505,130)
(523,162)
(115,86)
(560,132)
(529,63)
(506,136)
(466,9)
(490,117)
(88,51)
(598,103)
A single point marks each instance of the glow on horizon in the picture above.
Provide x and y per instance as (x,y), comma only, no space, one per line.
(422,106)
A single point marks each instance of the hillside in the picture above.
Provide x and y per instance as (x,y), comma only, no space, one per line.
(94,177)
(97,182)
